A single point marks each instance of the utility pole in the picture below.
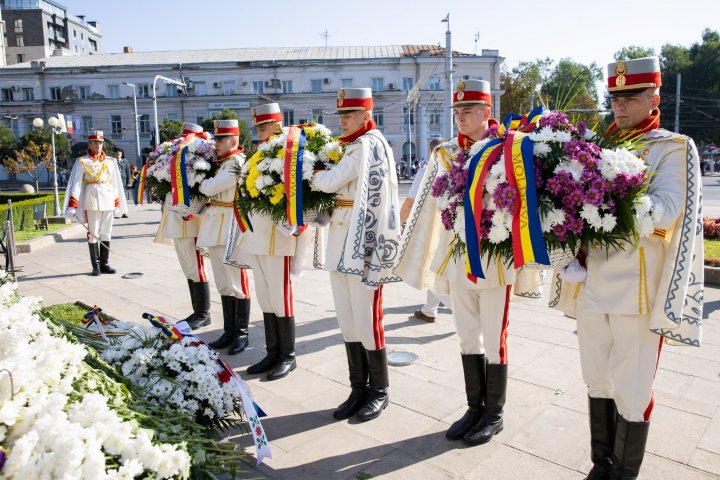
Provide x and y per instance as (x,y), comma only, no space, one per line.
(677,104)
(448,78)
(477,37)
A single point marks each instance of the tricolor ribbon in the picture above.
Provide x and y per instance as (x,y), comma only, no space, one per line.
(93,317)
(241,218)
(167,328)
(294,150)
(523,123)
(178,169)
(140,185)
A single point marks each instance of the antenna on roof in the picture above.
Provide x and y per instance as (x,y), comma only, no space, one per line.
(477,37)
(326,35)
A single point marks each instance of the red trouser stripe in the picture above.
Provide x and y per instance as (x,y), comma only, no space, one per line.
(378,330)
(649,409)
(505,323)
(200,264)
(287,289)
(244,285)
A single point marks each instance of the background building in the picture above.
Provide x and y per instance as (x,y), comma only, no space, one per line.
(40,28)
(2,41)
(91,92)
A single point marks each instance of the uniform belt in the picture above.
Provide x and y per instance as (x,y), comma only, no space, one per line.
(659,233)
(218,203)
(343,203)
(90,182)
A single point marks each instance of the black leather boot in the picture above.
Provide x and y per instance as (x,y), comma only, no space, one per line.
(229,335)
(191,317)
(286,343)
(201,305)
(629,449)
(474,371)
(271,346)
(104,256)
(495,391)
(94,259)
(601,413)
(377,397)
(242,321)
(358,368)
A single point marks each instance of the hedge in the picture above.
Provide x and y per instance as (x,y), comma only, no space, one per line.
(19,197)
(23,210)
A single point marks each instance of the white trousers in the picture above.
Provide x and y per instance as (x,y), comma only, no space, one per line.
(100,224)
(191,262)
(359,310)
(481,319)
(273,287)
(432,303)
(229,280)
(619,357)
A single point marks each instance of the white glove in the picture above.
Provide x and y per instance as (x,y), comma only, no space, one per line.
(573,273)
(71,212)
(286,230)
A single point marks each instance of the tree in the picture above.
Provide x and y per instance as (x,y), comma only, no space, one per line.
(245,136)
(572,86)
(634,51)
(41,136)
(8,143)
(30,159)
(520,85)
(170,129)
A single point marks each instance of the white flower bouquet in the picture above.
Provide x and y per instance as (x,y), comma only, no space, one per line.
(199,158)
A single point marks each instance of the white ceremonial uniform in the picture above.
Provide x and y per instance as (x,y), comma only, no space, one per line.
(618,351)
(215,227)
(480,309)
(529,282)
(95,190)
(184,237)
(358,307)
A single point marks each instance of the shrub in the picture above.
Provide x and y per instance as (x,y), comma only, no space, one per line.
(711,228)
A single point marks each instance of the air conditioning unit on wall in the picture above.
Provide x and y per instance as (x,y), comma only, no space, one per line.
(326,81)
(217,84)
(391,86)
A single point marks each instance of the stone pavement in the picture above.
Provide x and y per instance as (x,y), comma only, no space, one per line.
(546,434)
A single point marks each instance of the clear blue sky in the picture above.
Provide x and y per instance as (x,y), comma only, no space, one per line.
(521,30)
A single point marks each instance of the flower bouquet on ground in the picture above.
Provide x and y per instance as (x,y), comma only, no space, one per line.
(179,166)
(539,185)
(275,181)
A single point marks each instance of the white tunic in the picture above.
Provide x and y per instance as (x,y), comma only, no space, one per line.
(215,227)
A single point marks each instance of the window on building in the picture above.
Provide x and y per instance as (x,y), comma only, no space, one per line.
(18,26)
(434,83)
(86,123)
(199,117)
(19,41)
(143,90)
(55,93)
(405,116)
(84,92)
(144,125)
(171,90)
(229,88)
(172,116)
(115,127)
(379,118)
(434,119)
(408,83)
(346,82)
(257,86)
(20,57)
(317,115)
(287,86)
(378,84)
(113,92)
(288,117)
(316,85)
(93,45)
(28,94)
(7,95)
(200,89)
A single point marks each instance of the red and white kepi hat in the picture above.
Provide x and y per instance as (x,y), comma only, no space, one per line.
(189,128)
(472,92)
(354,99)
(226,127)
(269,112)
(96,135)
(628,77)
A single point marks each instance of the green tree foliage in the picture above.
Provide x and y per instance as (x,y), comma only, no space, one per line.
(572,87)
(227,114)
(634,51)
(32,158)
(41,136)
(520,85)
(170,129)
(8,143)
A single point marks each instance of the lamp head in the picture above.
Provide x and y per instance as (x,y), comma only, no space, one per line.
(38,123)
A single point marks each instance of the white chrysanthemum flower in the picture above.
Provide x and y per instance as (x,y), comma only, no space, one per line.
(540,149)
(554,217)
(573,167)
(459,226)
(477,146)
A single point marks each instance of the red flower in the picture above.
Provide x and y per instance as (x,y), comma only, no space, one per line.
(224,376)
(258,431)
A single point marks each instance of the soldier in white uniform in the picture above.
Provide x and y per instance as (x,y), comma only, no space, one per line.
(184,231)
(269,253)
(480,309)
(231,282)
(362,248)
(95,189)
(633,293)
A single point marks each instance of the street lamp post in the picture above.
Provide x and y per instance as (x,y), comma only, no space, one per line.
(53,123)
(448,77)
(137,125)
(167,81)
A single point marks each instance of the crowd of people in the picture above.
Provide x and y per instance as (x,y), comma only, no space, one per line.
(630,302)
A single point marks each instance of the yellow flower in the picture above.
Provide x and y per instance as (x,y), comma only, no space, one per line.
(281,153)
(309,132)
(278,193)
(253,174)
(334,156)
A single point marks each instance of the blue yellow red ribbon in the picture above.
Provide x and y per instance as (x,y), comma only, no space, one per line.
(178,169)
(241,218)
(523,123)
(140,185)
(294,151)
(167,328)
(93,315)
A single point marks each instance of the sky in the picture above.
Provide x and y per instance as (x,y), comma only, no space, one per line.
(521,30)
